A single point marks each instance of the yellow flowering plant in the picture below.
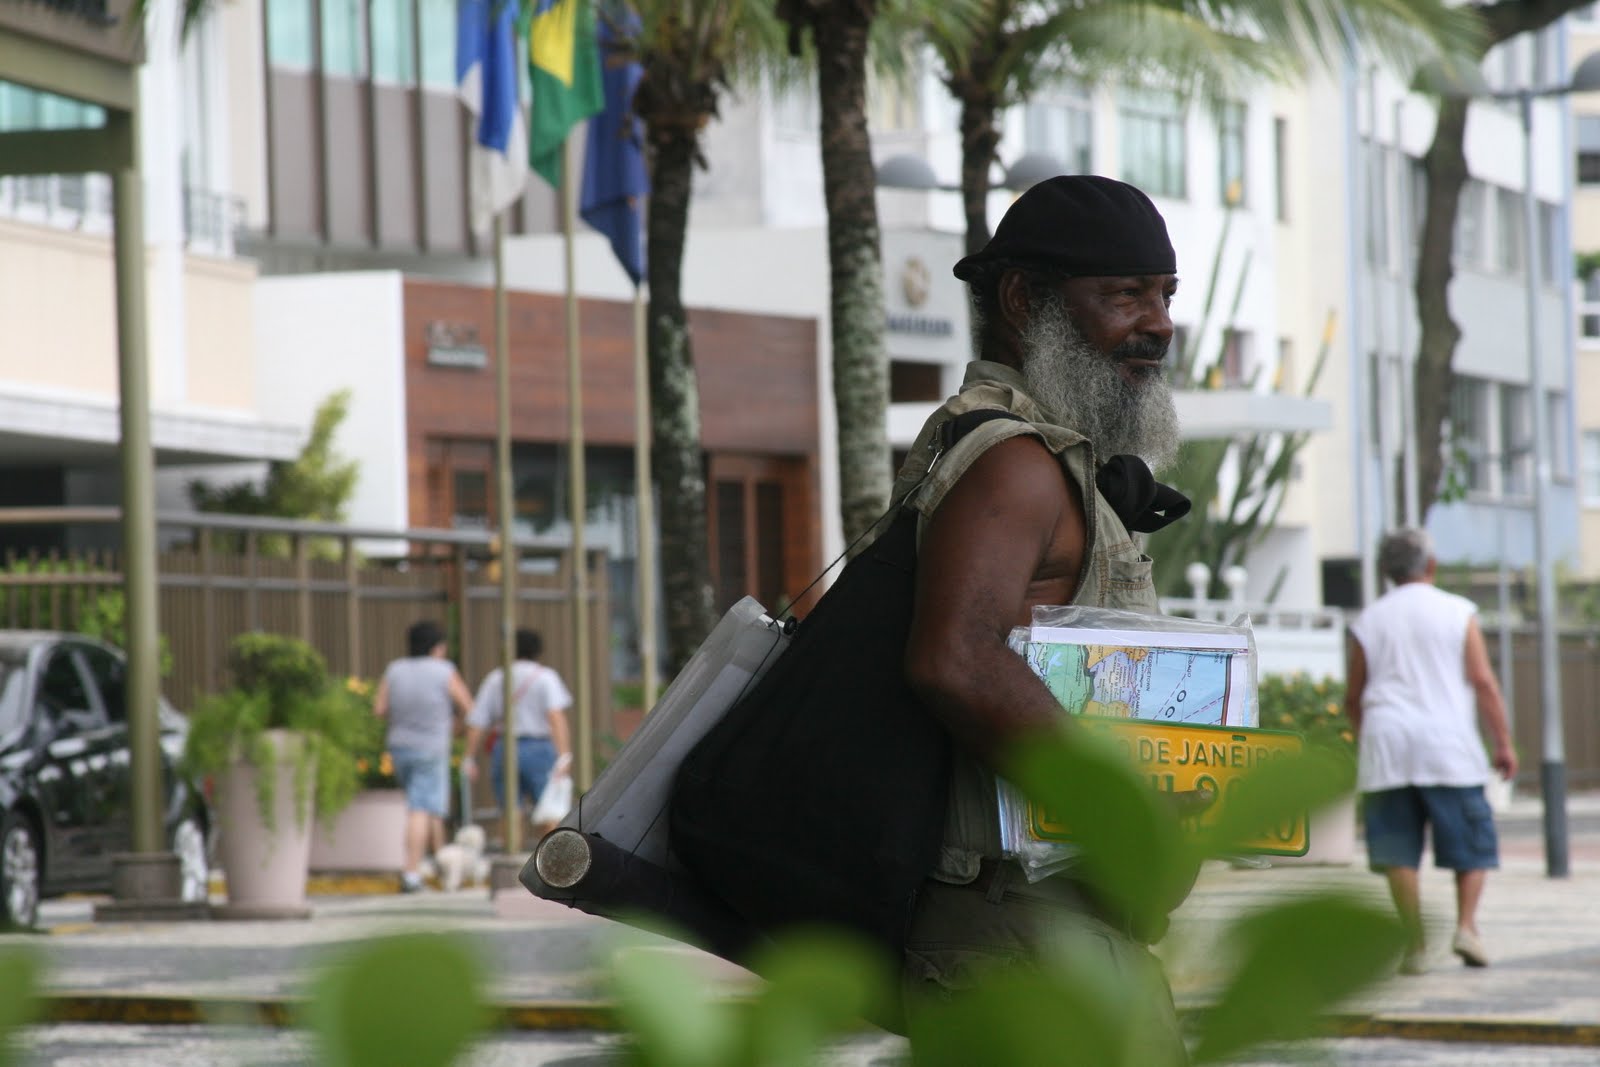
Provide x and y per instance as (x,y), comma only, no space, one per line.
(1312,707)
(374,766)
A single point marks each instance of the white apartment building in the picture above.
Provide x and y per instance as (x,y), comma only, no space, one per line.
(1357,240)
(58,354)
(1584,26)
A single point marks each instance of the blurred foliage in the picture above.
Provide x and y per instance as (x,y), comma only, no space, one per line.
(280,683)
(412,999)
(21,969)
(1292,961)
(1312,707)
(314,486)
(100,611)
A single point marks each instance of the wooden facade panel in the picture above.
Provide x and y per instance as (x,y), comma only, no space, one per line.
(758,385)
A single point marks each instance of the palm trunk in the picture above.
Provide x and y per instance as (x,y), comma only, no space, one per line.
(980,143)
(1445,166)
(678,467)
(860,362)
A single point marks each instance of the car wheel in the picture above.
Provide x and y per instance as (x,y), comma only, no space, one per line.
(20,871)
(189,842)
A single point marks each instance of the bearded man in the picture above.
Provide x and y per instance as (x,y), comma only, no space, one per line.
(1070,326)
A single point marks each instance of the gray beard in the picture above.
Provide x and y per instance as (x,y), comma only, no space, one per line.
(1083,389)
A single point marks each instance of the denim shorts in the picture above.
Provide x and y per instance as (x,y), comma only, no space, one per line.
(425,777)
(1462,827)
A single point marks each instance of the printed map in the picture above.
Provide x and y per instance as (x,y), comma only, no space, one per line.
(1197,687)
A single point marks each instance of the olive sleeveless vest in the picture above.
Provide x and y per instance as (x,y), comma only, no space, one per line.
(1116,572)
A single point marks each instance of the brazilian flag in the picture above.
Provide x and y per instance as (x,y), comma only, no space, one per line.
(564,66)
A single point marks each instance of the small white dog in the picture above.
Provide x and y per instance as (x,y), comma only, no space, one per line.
(462,862)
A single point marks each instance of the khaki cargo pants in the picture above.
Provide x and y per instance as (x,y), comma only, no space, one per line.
(958,932)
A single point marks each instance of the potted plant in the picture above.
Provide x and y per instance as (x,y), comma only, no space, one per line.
(278,745)
(368,834)
(1314,708)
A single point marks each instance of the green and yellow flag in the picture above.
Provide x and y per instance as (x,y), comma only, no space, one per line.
(564,65)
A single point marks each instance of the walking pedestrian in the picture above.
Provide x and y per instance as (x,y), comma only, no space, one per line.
(416,696)
(540,701)
(1418,670)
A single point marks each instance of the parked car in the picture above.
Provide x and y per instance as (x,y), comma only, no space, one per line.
(65,774)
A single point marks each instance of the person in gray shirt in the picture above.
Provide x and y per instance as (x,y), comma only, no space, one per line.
(416,697)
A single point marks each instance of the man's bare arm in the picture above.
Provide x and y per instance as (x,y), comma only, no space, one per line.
(980,554)
(1355,682)
(1491,706)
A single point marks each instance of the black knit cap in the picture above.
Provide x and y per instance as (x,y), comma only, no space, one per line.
(1082,225)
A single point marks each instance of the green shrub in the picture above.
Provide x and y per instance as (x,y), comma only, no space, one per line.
(281,683)
(1313,708)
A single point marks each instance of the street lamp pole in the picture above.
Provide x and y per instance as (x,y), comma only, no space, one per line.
(1553,768)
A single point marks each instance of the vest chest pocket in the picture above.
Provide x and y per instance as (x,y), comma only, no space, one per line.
(1129,583)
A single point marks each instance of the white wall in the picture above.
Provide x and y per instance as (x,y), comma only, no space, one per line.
(318,333)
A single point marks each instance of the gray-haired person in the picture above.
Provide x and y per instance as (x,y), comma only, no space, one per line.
(1418,684)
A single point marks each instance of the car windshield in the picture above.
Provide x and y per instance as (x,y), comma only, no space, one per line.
(13,710)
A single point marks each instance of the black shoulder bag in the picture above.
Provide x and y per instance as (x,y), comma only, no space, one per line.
(821,795)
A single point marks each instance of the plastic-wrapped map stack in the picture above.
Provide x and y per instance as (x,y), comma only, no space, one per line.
(1179,694)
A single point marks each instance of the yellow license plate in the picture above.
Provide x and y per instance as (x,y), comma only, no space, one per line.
(1180,758)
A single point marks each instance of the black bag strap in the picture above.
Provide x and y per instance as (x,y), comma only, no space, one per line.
(948,433)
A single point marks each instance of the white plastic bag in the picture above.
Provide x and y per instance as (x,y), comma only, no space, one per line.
(554,802)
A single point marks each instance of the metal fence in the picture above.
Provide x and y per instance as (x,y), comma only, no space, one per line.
(349,592)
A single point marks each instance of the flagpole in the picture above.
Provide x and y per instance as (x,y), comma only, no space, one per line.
(508,553)
(583,760)
(644,513)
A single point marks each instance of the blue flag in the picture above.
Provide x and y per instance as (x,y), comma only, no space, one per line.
(486,81)
(615,180)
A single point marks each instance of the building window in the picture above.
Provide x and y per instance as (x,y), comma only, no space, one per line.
(1509,227)
(394,45)
(1378,229)
(1589,308)
(1154,152)
(892,103)
(1469,433)
(1470,224)
(22,108)
(912,382)
(289,34)
(1231,153)
(1236,363)
(1552,228)
(1557,415)
(1591,468)
(438,43)
(1059,123)
(1280,165)
(1588,149)
(1516,442)
(344,38)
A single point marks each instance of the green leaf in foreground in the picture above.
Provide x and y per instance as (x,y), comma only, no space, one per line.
(1277,793)
(1297,960)
(1133,850)
(675,1019)
(413,999)
(818,984)
(1078,1013)
(20,970)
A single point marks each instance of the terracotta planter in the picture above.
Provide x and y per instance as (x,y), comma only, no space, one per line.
(369,835)
(1333,836)
(265,868)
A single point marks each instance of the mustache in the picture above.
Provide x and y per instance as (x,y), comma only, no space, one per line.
(1141,348)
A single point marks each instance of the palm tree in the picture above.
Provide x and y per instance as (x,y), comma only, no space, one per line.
(1445,172)
(841,35)
(692,51)
(1019,46)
